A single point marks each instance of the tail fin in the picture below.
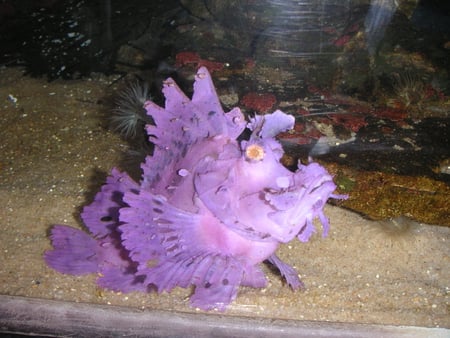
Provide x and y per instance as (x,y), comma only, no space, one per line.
(74,251)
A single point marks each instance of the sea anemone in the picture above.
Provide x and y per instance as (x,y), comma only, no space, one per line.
(129,116)
(398,231)
(409,89)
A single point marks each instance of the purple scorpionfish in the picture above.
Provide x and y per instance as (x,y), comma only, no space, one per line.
(208,210)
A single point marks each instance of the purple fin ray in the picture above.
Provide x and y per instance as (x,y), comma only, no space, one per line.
(74,251)
(287,271)
(101,216)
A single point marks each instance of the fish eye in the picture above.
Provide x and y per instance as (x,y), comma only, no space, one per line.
(254,152)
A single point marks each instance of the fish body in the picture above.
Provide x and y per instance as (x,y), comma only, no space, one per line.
(208,210)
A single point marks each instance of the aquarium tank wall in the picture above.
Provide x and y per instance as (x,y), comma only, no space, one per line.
(244,168)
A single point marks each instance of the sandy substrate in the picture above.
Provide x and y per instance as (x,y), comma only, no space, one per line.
(55,154)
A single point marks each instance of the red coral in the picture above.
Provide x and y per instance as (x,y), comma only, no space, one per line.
(352,122)
(303,133)
(318,91)
(186,58)
(258,102)
(342,41)
(211,65)
(192,58)
(391,114)
(431,93)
